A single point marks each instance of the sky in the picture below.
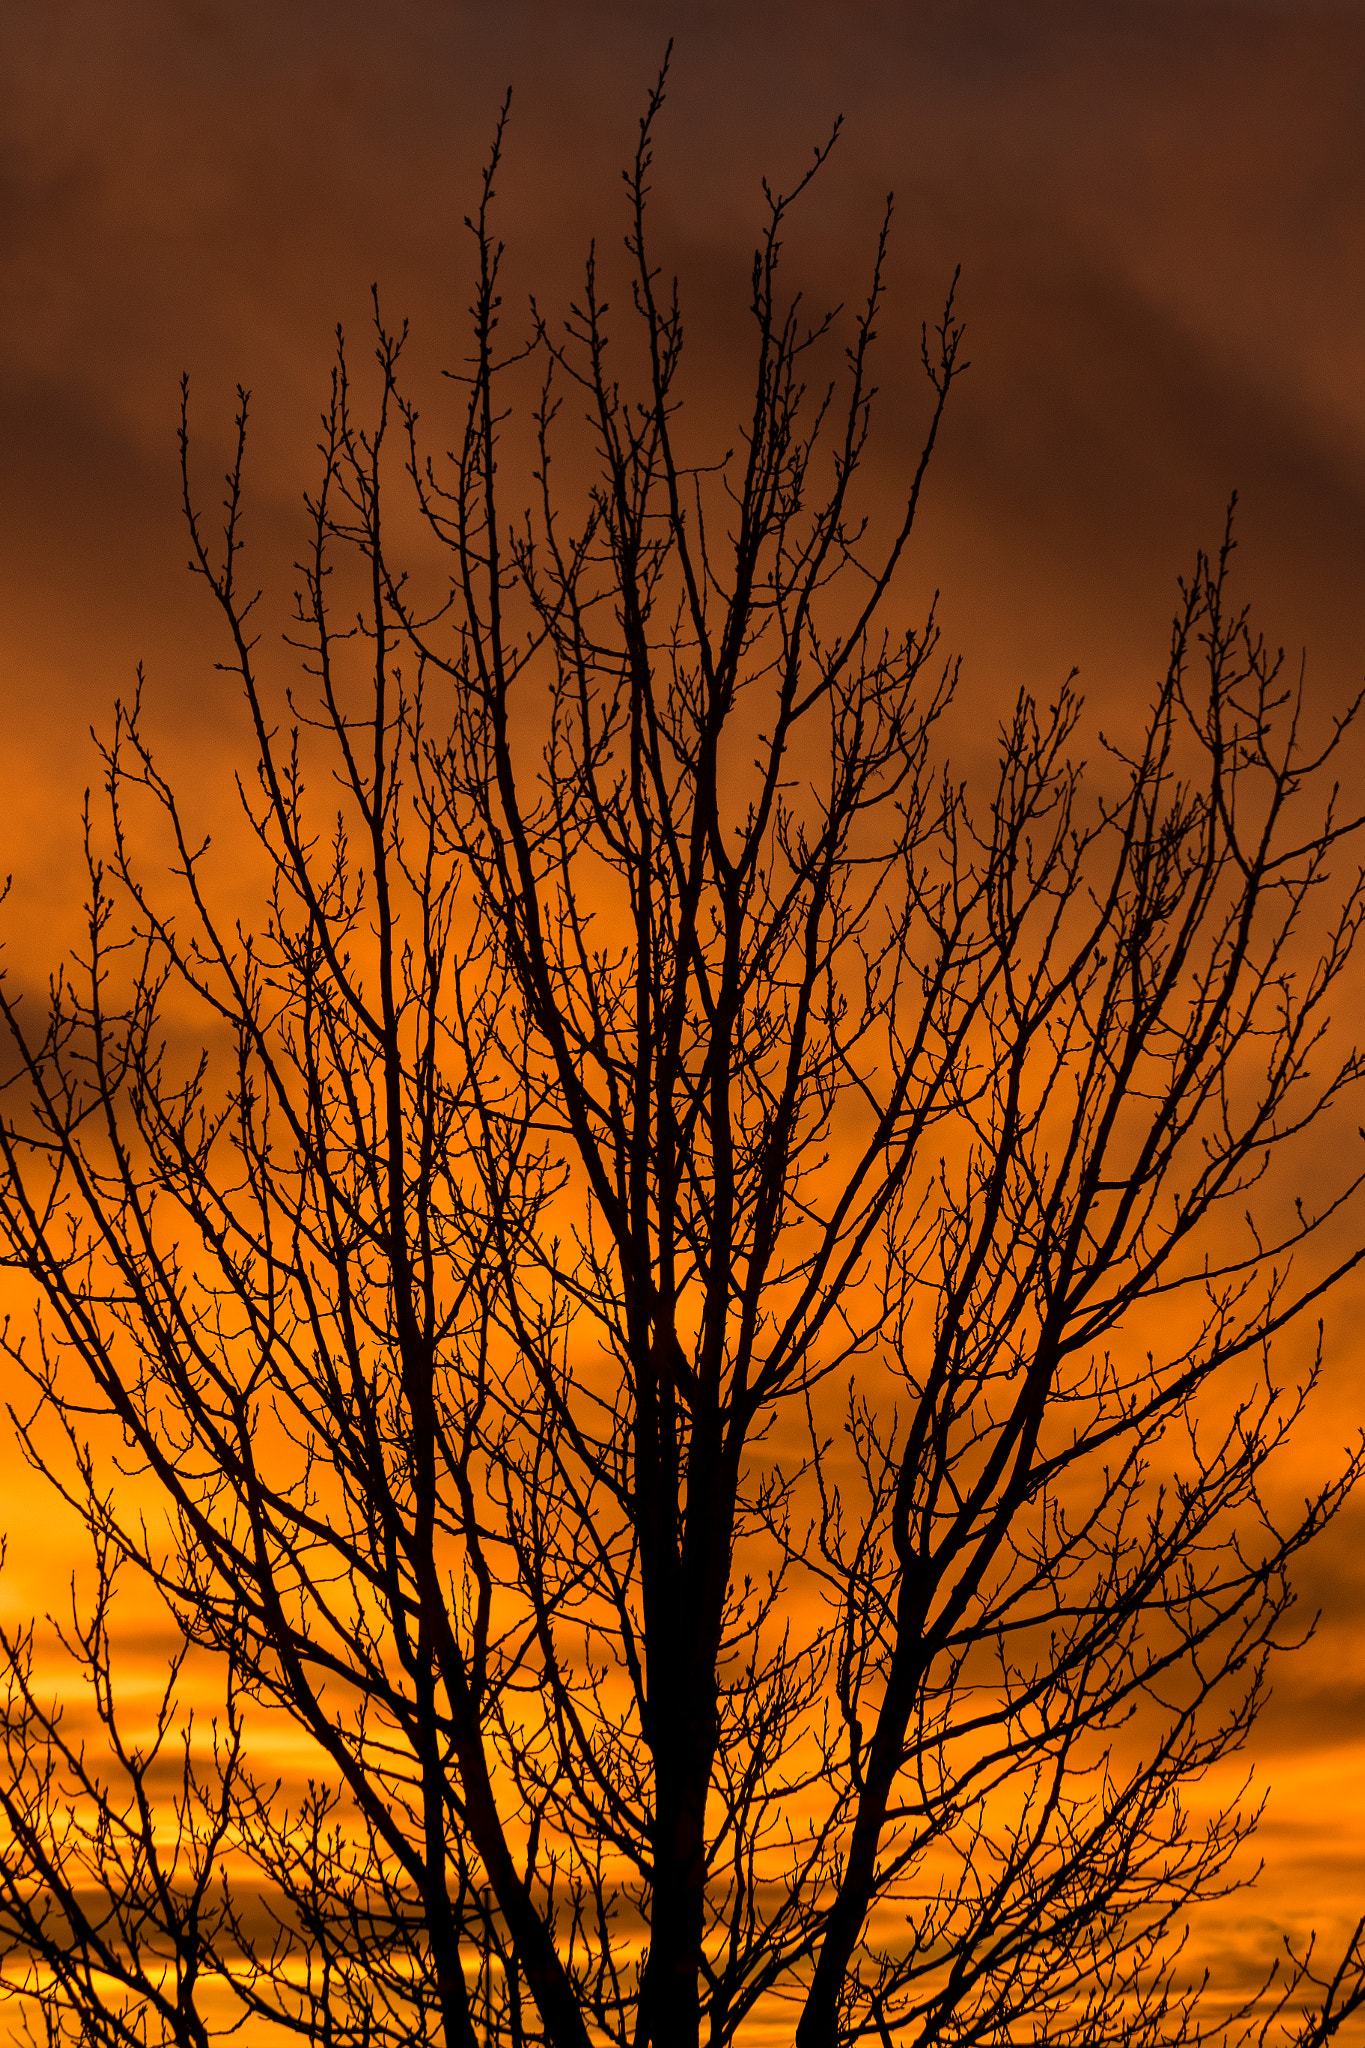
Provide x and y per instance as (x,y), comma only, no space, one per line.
(1159,214)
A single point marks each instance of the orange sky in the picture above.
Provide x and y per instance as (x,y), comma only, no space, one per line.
(1159,210)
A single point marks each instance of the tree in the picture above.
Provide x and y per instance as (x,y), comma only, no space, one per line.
(698,1325)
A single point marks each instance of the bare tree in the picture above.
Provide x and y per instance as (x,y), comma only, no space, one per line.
(706,1323)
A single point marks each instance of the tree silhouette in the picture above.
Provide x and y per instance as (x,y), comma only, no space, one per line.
(705,1322)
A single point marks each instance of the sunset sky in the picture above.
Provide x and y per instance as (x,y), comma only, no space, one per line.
(1159,213)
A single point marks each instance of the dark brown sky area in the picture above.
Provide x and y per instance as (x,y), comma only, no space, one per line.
(1159,210)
